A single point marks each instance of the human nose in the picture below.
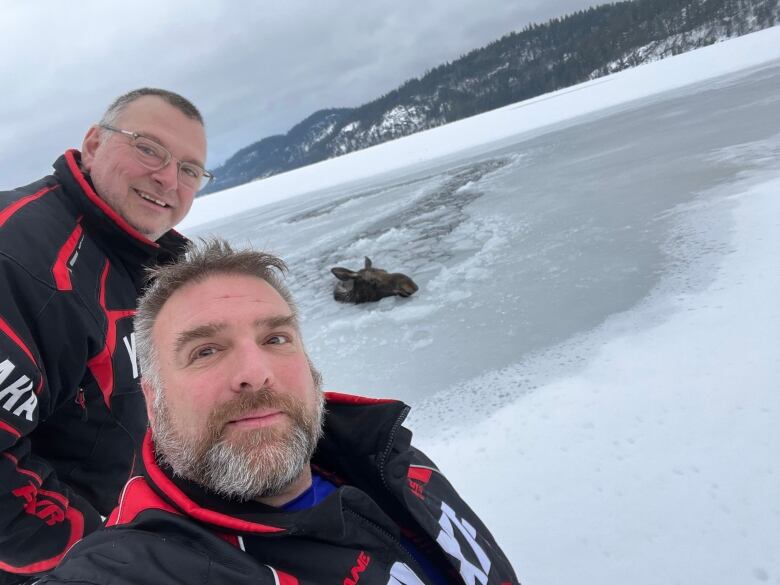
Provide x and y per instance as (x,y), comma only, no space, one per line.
(251,370)
(167,176)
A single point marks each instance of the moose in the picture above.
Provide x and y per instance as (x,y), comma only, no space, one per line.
(370,284)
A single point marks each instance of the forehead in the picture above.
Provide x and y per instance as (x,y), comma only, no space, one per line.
(154,117)
(229,298)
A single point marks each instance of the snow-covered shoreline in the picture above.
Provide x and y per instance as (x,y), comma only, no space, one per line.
(530,115)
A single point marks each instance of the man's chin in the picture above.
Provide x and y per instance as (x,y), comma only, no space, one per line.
(150,235)
(239,438)
(150,232)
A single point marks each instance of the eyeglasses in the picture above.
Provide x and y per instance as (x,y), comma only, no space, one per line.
(154,156)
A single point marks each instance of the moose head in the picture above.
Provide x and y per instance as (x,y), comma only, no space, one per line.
(370,284)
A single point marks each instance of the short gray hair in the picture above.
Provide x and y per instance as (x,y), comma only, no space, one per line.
(179,102)
(203,259)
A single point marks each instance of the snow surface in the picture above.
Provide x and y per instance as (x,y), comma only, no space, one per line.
(592,355)
(657,461)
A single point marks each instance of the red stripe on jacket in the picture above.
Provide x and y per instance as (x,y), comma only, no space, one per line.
(421,474)
(6,328)
(9,429)
(136,497)
(17,205)
(21,470)
(102,365)
(340,398)
(60,270)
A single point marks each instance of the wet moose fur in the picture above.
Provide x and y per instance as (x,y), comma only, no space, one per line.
(370,284)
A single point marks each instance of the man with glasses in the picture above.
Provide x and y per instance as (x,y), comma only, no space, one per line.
(73,249)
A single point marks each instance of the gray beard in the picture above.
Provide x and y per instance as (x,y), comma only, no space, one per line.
(258,463)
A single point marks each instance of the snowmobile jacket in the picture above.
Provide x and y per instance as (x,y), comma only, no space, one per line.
(71,410)
(169,531)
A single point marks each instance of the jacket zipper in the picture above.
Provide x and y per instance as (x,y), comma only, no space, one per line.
(81,400)
(391,439)
(382,464)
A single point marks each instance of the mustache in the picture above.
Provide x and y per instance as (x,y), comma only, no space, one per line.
(249,401)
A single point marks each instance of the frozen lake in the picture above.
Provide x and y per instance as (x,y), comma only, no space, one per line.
(592,354)
(521,246)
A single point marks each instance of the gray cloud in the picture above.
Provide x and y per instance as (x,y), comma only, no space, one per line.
(253,68)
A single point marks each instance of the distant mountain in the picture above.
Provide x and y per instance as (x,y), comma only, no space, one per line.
(539,59)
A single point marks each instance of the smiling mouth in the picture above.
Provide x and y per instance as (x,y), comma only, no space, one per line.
(148,197)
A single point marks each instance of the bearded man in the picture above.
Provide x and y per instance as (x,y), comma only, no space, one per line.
(251,474)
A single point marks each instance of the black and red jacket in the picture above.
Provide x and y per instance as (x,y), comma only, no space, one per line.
(71,410)
(168,531)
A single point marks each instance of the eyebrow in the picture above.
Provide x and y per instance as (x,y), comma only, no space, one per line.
(200,332)
(277,321)
(208,330)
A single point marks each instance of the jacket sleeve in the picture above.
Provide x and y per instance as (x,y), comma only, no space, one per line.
(459,531)
(40,517)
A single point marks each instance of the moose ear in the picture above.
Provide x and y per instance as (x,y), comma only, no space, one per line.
(343,273)
(368,262)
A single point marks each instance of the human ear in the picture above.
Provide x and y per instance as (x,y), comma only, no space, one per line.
(149,393)
(90,146)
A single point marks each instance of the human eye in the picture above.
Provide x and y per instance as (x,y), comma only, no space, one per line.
(148,150)
(191,171)
(203,352)
(279,339)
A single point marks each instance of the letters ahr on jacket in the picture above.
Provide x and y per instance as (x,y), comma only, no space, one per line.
(17,395)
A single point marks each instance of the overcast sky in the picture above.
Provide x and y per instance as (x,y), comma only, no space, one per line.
(253,68)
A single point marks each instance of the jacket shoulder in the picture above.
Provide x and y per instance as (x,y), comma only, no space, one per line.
(159,549)
(36,221)
(127,556)
(41,201)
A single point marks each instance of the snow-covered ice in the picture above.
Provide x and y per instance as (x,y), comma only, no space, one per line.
(592,355)
(657,460)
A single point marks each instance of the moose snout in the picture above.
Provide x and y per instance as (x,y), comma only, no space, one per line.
(407,289)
